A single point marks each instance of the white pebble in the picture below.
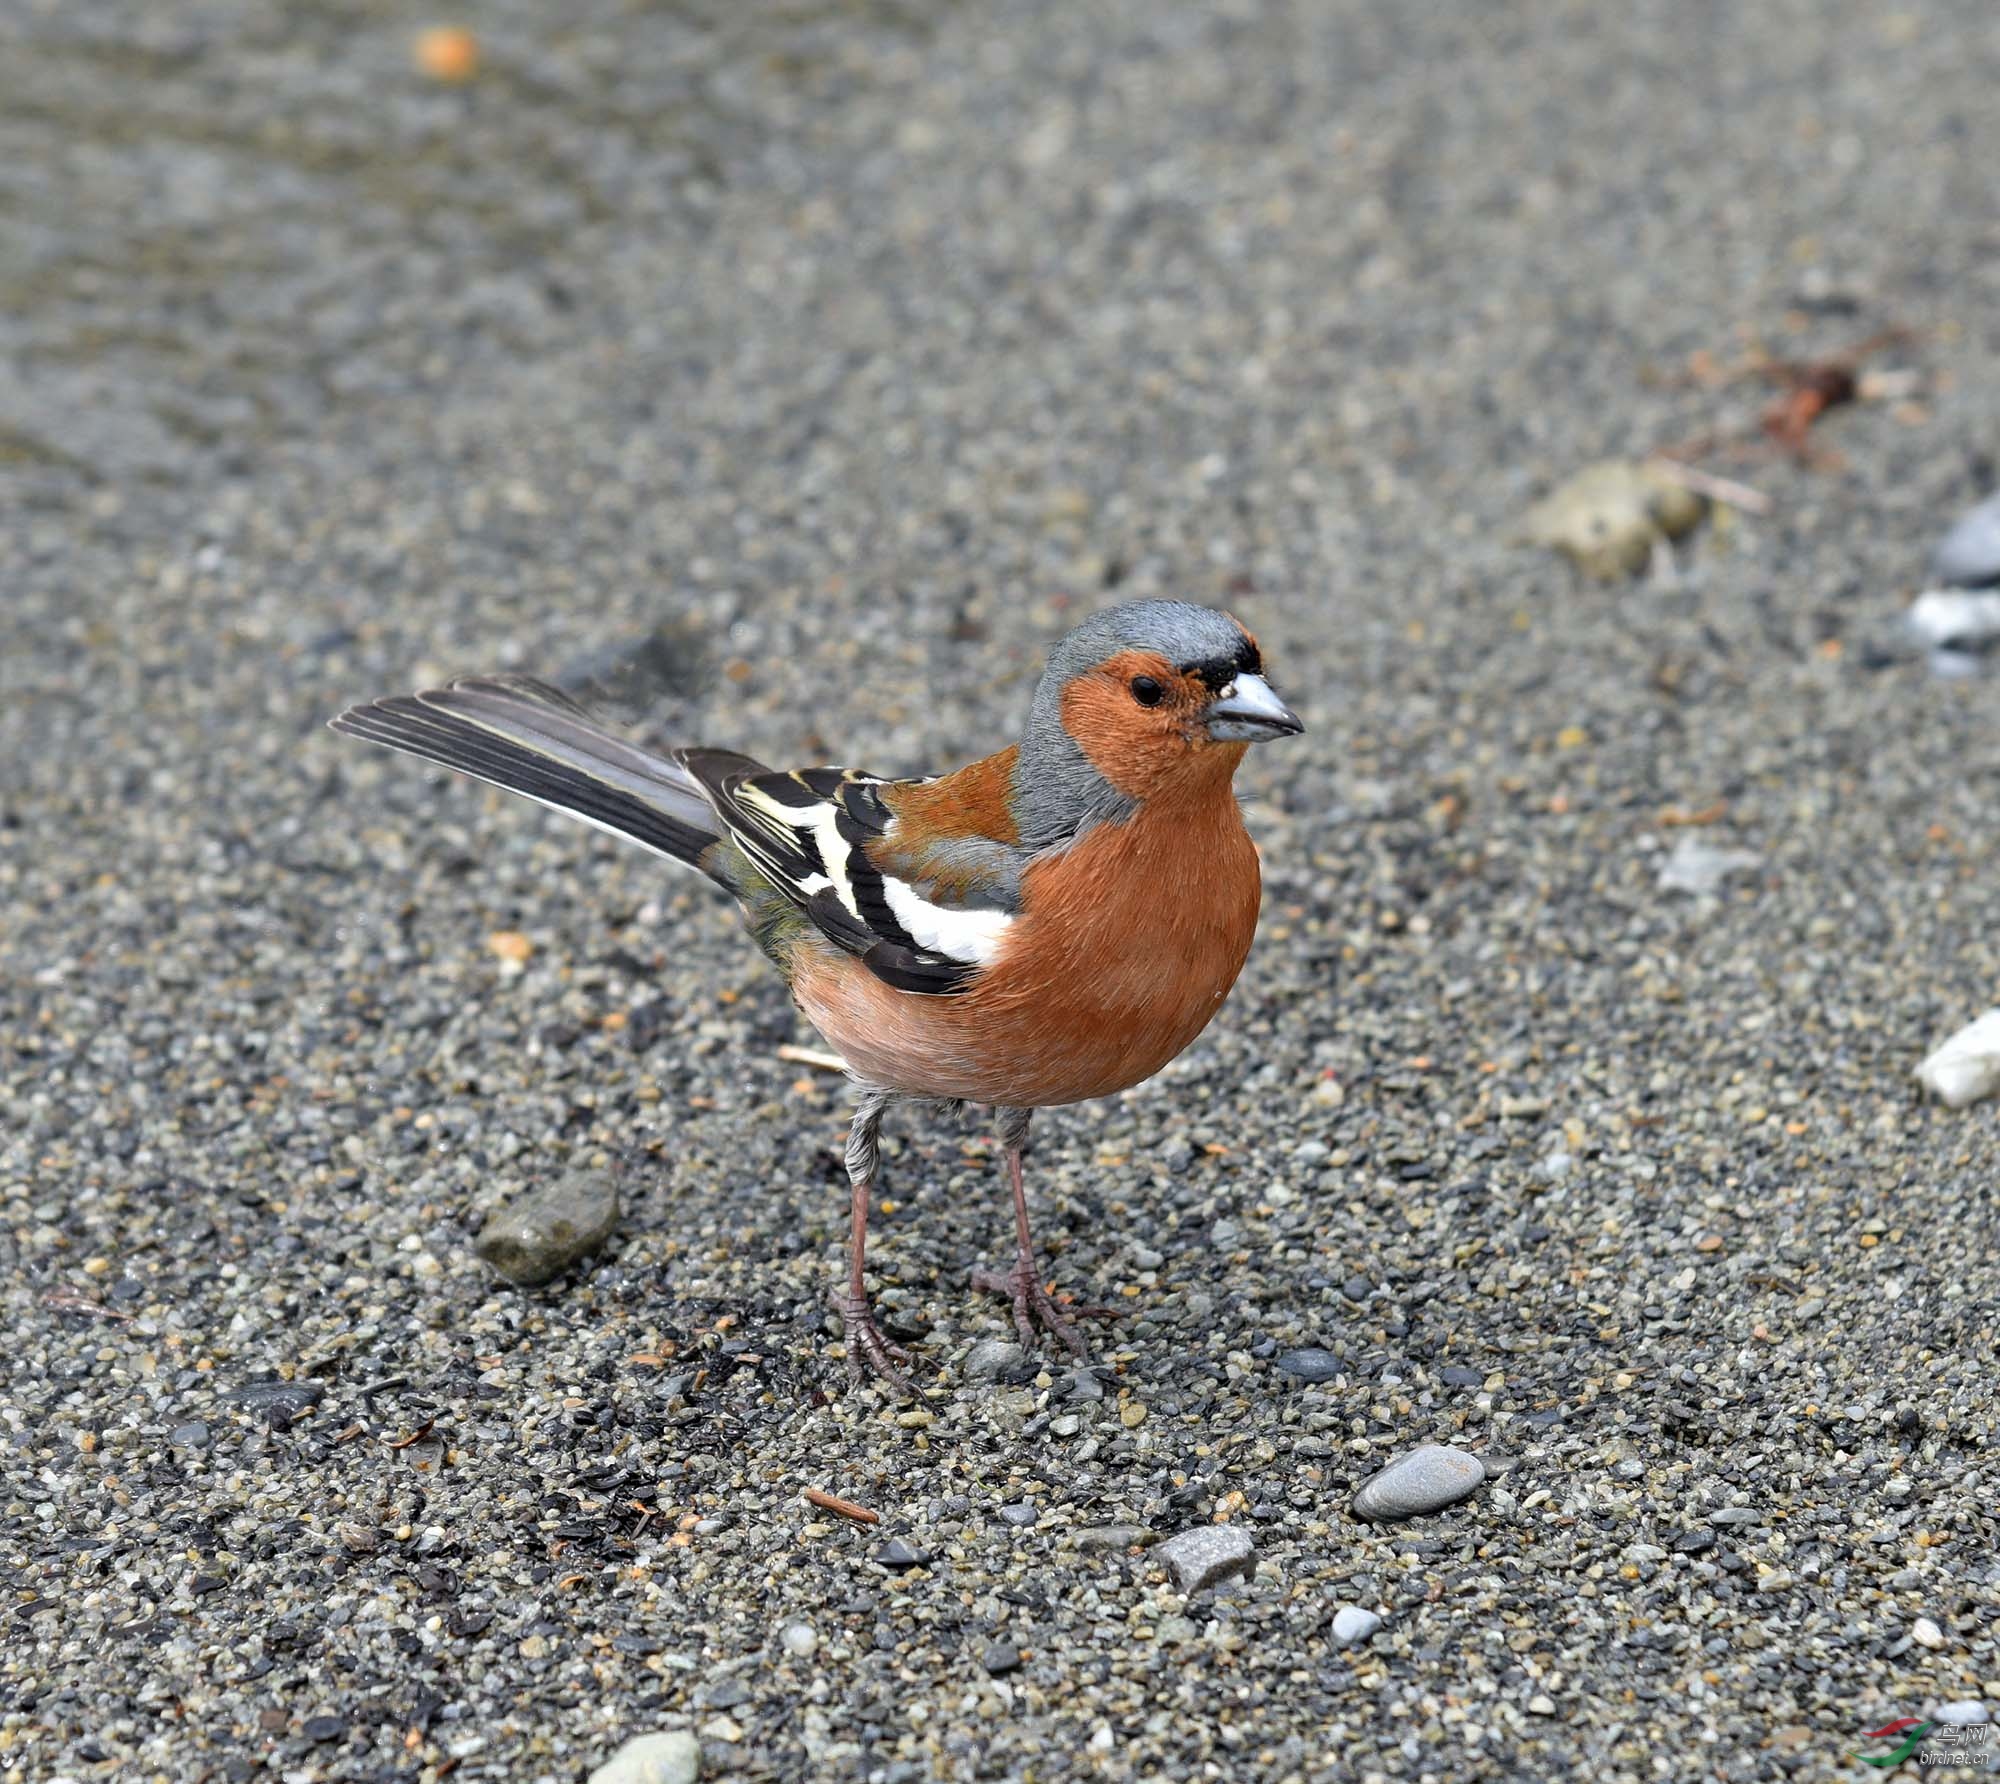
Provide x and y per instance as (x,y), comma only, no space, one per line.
(1351,1624)
(1926,1634)
(1966,1067)
(1700,868)
(670,1758)
(1944,617)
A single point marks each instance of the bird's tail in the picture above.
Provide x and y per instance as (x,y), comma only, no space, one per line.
(515,732)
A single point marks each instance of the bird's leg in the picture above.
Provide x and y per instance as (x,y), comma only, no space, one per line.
(867,1346)
(1033,1304)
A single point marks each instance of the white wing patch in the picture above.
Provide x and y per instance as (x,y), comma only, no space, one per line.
(971,936)
(809,832)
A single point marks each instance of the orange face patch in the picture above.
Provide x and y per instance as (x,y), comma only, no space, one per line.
(1137,718)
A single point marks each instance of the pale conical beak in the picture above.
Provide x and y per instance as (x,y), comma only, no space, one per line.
(1248,710)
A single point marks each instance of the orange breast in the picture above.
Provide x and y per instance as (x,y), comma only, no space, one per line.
(1126,945)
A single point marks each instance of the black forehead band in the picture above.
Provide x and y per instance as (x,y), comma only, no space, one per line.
(1219,672)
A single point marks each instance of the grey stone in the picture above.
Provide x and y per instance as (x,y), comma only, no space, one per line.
(1969,555)
(1312,1365)
(800,1640)
(1425,1479)
(1353,1625)
(1001,1657)
(1963,1712)
(278,1403)
(997,1359)
(189,1436)
(1207,1556)
(898,1554)
(544,1232)
(672,1757)
(1022,1516)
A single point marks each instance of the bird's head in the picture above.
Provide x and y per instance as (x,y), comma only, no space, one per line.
(1139,702)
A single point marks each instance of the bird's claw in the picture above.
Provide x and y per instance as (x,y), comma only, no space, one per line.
(869,1348)
(1034,1305)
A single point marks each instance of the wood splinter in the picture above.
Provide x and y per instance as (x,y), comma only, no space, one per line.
(845,1508)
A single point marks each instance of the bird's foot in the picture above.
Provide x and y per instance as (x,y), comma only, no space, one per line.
(870,1350)
(1034,1305)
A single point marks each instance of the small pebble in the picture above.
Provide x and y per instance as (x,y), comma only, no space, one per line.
(898,1554)
(1310,1365)
(190,1436)
(1207,1556)
(1926,1634)
(1955,619)
(1426,1479)
(1969,555)
(1022,1515)
(800,1640)
(278,1403)
(1965,1068)
(1001,1657)
(540,1235)
(1541,1704)
(673,1757)
(1964,1712)
(1351,1625)
(1700,868)
(1609,518)
(996,1359)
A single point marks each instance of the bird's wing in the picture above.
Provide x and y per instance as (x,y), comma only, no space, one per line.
(817,835)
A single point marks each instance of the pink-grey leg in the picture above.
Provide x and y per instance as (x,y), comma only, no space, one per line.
(1021,1284)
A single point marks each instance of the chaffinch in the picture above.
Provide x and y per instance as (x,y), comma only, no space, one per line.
(1052,923)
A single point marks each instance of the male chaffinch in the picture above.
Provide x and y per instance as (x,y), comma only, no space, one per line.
(1052,923)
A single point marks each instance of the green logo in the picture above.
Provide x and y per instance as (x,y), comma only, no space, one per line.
(1912,1731)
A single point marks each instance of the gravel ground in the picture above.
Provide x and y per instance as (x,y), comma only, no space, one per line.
(781,368)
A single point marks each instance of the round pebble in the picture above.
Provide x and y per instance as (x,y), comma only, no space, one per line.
(1310,1365)
(1426,1479)
(1352,1624)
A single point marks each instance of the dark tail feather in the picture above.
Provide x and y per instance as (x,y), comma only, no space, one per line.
(521,734)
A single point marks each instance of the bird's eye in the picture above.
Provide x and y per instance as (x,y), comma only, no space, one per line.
(1147,691)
